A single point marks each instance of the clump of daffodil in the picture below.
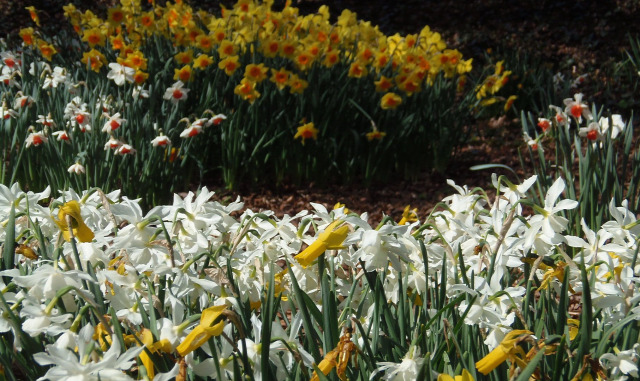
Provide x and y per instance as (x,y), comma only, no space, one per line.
(70,222)
(507,349)
(330,239)
(203,331)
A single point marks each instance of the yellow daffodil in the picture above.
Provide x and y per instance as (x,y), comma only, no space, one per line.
(256,73)
(27,35)
(47,50)
(297,84)
(375,134)
(408,215)
(184,58)
(202,61)
(574,328)
(330,239)
(229,64)
(33,12)
(94,59)
(80,230)
(506,349)
(337,358)
(390,101)
(465,376)
(183,74)
(147,339)
(306,131)
(339,205)
(327,364)
(383,84)
(26,251)
(203,331)
(509,103)
(93,37)
(247,90)
(280,77)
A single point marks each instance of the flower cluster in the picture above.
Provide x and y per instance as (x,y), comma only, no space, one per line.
(291,46)
(577,112)
(177,279)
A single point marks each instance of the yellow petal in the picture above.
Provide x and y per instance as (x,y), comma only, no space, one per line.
(311,253)
(203,331)
(336,238)
(327,364)
(80,230)
(492,360)
(466,376)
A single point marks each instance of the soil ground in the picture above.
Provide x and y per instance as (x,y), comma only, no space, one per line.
(581,34)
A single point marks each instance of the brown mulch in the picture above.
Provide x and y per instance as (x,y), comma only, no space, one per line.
(583,34)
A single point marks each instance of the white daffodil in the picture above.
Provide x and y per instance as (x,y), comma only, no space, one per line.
(595,245)
(161,141)
(592,132)
(76,168)
(617,125)
(548,221)
(576,108)
(176,92)
(113,122)
(69,365)
(407,369)
(120,74)
(622,362)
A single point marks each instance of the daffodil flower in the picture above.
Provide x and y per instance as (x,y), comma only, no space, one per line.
(76,226)
(203,331)
(329,362)
(408,215)
(330,239)
(507,348)
(163,345)
(465,376)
